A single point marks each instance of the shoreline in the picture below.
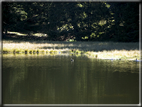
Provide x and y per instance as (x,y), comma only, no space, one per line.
(99,50)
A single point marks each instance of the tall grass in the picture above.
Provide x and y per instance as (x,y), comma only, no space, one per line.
(93,49)
(94,46)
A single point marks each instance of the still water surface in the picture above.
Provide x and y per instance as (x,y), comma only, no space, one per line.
(57,80)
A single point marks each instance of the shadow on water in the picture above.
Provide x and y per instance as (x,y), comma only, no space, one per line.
(57,80)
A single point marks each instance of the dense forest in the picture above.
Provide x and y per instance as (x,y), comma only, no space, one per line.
(80,21)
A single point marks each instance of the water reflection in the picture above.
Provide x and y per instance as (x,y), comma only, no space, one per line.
(57,80)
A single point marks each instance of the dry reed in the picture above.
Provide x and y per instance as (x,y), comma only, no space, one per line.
(92,49)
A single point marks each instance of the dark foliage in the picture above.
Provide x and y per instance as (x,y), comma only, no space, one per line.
(91,21)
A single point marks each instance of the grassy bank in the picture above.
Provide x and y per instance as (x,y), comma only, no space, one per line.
(101,50)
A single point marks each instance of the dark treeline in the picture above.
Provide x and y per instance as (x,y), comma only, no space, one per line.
(91,21)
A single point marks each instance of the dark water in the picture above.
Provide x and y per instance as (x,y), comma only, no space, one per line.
(57,80)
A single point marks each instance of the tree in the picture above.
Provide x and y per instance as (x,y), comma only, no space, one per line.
(10,16)
(60,21)
(125,24)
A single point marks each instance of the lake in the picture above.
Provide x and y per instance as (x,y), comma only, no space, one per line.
(47,79)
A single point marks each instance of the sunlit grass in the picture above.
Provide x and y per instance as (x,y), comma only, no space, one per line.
(100,50)
(17,33)
(22,34)
(117,54)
